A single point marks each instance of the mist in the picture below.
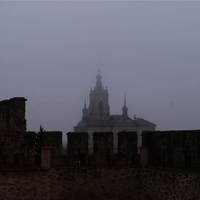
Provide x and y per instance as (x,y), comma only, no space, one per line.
(49,54)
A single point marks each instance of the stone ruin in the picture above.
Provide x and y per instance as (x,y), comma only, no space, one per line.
(12,115)
(17,146)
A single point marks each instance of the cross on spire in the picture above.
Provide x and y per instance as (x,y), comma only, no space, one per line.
(98,66)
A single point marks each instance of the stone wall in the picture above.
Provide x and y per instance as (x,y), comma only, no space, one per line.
(173,149)
(103,148)
(122,183)
(16,148)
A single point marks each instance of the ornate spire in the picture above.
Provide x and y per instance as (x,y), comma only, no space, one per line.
(125,109)
(98,82)
(85,111)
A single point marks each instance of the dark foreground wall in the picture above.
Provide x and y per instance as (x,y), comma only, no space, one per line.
(100,184)
(173,149)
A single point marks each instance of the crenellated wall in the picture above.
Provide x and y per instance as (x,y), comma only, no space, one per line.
(78,149)
(167,168)
(173,149)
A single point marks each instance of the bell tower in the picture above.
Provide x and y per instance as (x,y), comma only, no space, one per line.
(99,108)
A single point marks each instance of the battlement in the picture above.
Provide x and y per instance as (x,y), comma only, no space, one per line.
(166,149)
(173,149)
(78,149)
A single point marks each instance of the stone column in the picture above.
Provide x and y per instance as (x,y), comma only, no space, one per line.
(45,157)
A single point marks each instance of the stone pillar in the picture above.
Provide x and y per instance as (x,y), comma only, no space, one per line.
(127,148)
(143,156)
(45,157)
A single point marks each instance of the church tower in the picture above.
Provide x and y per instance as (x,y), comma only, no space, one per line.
(97,117)
(99,111)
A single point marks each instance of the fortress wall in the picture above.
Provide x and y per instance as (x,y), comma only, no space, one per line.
(173,149)
(17,148)
(122,183)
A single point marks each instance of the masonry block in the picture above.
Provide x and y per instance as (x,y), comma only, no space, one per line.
(103,148)
(53,139)
(45,157)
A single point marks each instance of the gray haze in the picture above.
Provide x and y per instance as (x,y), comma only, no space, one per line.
(49,54)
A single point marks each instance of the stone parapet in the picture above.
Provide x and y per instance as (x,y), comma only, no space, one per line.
(103,148)
(53,139)
(127,148)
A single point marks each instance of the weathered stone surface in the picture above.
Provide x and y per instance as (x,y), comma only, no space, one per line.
(53,139)
(12,114)
(100,183)
(46,157)
(173,149)
(17,148)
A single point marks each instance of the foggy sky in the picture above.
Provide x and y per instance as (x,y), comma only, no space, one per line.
(49,54)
